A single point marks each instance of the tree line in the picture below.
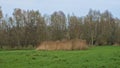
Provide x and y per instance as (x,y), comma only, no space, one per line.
(29,28)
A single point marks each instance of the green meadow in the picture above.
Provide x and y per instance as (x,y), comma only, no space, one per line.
(94,57)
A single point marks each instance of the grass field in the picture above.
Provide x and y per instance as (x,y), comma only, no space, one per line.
(95,57)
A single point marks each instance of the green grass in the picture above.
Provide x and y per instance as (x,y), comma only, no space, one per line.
(95,57)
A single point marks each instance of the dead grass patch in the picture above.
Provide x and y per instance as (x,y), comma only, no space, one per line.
(75,44)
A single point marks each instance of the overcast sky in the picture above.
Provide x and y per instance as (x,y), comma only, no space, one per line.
(78,7)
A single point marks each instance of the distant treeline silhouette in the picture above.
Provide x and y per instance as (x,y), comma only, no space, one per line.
(28,28)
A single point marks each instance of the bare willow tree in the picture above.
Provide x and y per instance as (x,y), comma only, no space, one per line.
(91,26)
(58,25)
(74,27)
